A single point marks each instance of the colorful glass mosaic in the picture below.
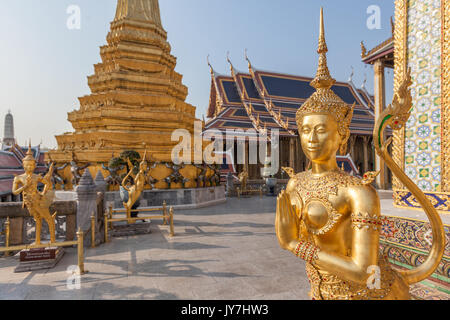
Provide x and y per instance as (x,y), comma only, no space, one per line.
(422,134)
(408,242)
(441,201)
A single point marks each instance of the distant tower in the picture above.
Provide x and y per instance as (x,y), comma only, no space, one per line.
(8,136)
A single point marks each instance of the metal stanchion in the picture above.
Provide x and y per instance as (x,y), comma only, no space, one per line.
(172,231)
(80,239)
(93,231)
(106,227)
(165,213)
(7,232)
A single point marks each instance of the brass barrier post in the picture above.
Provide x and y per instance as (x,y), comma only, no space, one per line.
(164,212)
(172,231)
(80,239)
(7,231)
(93,231)
(106,227)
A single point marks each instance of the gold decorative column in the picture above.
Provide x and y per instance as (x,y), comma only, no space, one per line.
(445,96)
(400,62)
(380,104)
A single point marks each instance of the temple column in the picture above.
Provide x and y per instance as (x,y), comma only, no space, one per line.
(352,146)
(246,158)
(380,103)
(366,140)
(292,153)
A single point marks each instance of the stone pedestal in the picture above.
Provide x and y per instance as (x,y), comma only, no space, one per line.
(38,259)
(177,198)
(128,230)
(230,184)
(87,204)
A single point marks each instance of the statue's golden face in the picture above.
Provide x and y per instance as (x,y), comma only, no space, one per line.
(319,137)
(29,166)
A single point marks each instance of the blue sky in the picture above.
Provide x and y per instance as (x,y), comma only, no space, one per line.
(44,65)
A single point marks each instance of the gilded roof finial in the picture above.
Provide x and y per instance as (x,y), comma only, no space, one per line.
(323,78)
(363,50)
(231,64)
(363,86)
(248,60)
(351,75)
(392,26)
(210,66)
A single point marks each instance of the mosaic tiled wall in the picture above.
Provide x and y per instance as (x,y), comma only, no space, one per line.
(409,241)
(423,130)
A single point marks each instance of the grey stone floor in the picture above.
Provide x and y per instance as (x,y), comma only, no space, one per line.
(388,208)
(224,252)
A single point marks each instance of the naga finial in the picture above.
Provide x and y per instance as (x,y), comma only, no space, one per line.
(209,64)
(363,50)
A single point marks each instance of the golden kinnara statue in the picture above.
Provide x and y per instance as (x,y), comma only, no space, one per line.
(243,177)
(37,203)
(134,191)
(332,220)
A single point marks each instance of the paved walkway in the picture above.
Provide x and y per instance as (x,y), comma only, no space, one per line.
(224,252)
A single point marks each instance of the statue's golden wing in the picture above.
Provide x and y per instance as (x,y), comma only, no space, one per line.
(47,199)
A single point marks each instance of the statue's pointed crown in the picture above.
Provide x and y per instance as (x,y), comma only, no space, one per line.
(29,155)
(324,100)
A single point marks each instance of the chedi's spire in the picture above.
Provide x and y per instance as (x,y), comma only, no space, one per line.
(142,10)
(323,78)
(8,133)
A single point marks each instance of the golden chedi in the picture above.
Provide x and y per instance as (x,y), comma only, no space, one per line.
(137,99)
(332,220)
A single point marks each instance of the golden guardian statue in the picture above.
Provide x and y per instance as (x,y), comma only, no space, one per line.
(332,220)
(133,191)
(37,203)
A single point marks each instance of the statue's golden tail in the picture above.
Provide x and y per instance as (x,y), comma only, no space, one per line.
(396,115)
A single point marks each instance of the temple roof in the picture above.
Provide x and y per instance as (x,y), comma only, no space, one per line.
(269,100)
(384,51)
